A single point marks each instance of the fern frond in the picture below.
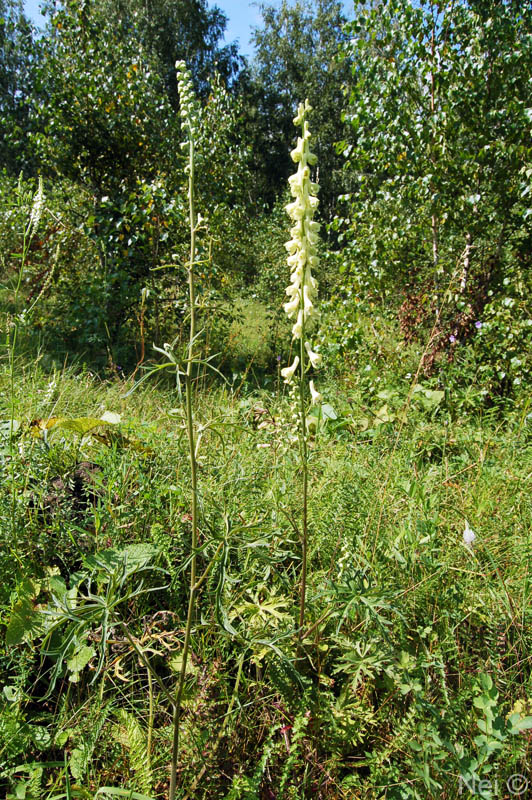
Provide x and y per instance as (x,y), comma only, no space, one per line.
(131,735)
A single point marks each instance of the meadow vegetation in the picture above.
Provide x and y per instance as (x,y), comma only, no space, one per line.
(226,578)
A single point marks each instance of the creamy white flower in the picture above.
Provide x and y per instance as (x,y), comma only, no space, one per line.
(288,372)
(291,246)
(292,306)
(311,281)
(297,153)
(296,210)
(314,358)
(302,109)
(308,306)
(297,328)
(314,394)
(469,535)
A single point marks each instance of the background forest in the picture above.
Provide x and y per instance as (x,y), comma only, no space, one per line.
(411,677)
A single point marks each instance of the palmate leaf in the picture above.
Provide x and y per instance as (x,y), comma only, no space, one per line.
(429,398)
(103,428)
(130,559)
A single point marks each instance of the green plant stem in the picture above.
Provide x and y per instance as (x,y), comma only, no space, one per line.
(11,343)
(193,475)
(150,719)
(304,466)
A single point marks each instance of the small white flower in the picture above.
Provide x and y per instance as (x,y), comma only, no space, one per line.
(292,306)
(314,358)
(314,394)
(297,153)
(297,328)
(288,372)
(308,305)
(469,535)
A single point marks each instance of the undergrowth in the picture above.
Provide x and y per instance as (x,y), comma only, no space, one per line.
(414,677)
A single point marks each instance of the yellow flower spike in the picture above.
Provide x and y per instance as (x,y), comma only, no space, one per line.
(302,246)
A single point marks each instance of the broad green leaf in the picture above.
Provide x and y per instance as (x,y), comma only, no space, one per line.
(79,661)
(328,412)
(384,415)
(518,723)
(26,621)
(78,763)
(80,425)
(131,559)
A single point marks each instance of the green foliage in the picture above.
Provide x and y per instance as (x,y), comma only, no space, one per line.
(405,616)
(84,745)
(17,54)
(189,31)
(296,57)
(439,146)
(132,736)
(106,120)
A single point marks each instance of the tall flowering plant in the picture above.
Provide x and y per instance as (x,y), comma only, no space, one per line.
(189,111)
(302,293)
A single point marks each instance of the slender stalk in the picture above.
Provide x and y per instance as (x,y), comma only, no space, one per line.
(302,292)
(11,344)
(193,476)
(304,467)
(150,719)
